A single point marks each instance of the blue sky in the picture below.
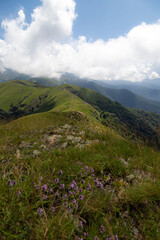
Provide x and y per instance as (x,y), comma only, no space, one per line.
(98,39)
(96,19)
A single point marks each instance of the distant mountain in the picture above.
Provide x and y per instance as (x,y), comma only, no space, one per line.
(9,74)
(148,88)
(123,96)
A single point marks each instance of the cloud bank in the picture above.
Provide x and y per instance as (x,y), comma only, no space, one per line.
(45,47)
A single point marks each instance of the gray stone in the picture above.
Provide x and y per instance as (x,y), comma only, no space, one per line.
(80,146)
(77,139)
(88,142)
(64,145)
(54,139)
(82,133)
(124,162)
(25,145)
(70,138)
(43,146)
(130,178)
(36,153)
(67,127)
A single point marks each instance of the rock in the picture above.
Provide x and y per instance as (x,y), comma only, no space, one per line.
(82,133)
(124,162)
(18,154)
(25,145)
(73,133)
(36,153)
(67,127)
(64,145)
(80,146)
(77,139)
(54,139)
(88,142)
(130,178)
(58,130)
(96,141)
(135,233)
(43,146)
(70,138)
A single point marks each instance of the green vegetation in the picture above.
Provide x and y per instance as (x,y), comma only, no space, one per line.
(65,175)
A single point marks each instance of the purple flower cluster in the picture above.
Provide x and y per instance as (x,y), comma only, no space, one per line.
(70,196)
(98,183)
(40,211)
(11,183)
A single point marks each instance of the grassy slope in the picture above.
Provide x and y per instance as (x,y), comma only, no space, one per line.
(137,121)
(25,93)
(129,209)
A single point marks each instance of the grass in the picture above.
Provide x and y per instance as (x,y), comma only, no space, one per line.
(124,208)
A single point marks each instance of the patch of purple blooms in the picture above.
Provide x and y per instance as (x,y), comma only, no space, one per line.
(40,211)
(44,187)
(11,183)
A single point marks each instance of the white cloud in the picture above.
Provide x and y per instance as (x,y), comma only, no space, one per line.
(46,47)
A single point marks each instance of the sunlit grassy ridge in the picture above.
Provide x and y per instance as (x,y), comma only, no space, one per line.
(34,204)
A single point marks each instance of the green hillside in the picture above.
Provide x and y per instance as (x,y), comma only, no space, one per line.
(66,176)
(26,97)
(114,114)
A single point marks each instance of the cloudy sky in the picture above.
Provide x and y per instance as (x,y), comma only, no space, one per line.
(105,39)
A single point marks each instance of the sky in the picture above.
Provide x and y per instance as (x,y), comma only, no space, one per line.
(105,39)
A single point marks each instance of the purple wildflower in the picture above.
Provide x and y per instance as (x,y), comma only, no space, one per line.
(70,193)
(19,193)
(80,238)
(72,185)
(65,197)
(102,229)
(76,188)
(60,172)
(56,194)
(69,210)
(86,173)
(80,190)
(81,224)
(93,175)
(51,190)
(76,206)
(85,234)
(80,174)
(74,193)
(40,211)
(92,170)
(116,237)
(99,185)
(83,181)
(52,209)
(10,183)
(81,197)
(44,187)
(74,182)
(65,203)
(74,201)
(88,186)
(87,168)
(44,197)
(62,186)
(56,181)
(40,178)
(96,238)
(14,182)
